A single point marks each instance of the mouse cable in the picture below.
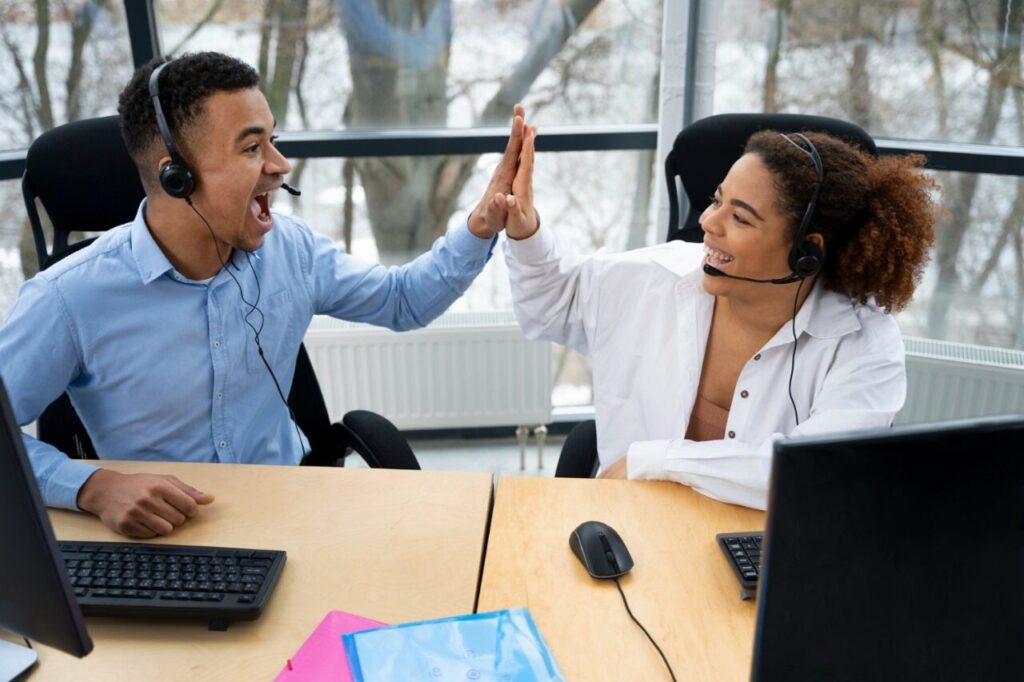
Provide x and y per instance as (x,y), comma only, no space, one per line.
(640,625)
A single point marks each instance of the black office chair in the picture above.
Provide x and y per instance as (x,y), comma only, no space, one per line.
(705,150)
(578,458)
(83,176)
(702,155)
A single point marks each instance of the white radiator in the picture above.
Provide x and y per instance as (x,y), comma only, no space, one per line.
(463,370)
(948,380)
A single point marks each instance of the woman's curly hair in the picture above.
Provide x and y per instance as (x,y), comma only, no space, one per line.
(876,214)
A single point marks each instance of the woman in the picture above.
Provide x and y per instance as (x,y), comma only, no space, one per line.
(696,374)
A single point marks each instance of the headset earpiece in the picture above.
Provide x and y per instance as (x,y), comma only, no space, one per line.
(177,180)
(806,259)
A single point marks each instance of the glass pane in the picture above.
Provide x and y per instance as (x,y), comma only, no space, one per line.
(925,69)
(590,209)
(68,63)
(436,63)
(973,290)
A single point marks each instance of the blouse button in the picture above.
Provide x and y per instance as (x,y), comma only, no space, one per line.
(757,357)
(732,434)
(744,394)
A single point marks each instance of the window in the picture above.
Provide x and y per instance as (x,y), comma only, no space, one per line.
(941,70)
(915,69)
(578,194)
(973,290)
(438,63)
(62,65)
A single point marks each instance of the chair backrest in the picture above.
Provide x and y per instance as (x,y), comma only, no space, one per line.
(83,176)
(705,150)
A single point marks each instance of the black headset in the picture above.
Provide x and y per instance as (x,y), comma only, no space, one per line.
(806,258)
(176,178)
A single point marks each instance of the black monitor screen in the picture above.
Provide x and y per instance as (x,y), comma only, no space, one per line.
(36,599)
(896,555)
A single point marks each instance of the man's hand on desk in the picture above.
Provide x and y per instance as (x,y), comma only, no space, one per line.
(140,505)
(616,469)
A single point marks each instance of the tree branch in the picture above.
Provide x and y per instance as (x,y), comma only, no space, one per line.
(456,171)
(45,108)
(214,8)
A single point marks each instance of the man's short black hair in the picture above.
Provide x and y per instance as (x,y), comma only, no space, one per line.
(184,85)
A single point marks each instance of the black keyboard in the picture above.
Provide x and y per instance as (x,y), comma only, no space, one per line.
(743,551)
(220,584)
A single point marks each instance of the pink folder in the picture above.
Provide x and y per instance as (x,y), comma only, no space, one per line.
(322,655)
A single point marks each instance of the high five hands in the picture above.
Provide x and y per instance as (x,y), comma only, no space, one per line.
(508,200)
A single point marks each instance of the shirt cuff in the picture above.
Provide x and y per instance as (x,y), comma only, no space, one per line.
(533,249)
(645,460)
(467,245)
(63,485)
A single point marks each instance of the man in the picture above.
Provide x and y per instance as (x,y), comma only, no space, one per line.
(176,335)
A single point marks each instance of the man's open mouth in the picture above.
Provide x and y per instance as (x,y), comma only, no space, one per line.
(260,207)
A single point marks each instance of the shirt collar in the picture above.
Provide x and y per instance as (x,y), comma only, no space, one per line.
(151,261)
(827,314)
(149,257)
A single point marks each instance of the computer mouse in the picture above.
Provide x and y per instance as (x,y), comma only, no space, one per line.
(600,549)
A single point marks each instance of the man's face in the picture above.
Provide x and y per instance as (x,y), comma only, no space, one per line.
(231,151)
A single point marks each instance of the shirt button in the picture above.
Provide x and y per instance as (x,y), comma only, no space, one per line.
(224,443)
(732,434)
(221,395)
(216,344)
(744,394)
(757,357)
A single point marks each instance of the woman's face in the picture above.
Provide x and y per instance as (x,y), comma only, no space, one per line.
(744,232)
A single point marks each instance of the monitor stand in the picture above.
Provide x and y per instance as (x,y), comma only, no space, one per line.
(15,659)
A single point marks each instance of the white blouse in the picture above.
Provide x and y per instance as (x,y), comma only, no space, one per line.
(644,321)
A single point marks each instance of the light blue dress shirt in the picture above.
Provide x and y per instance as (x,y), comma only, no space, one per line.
(160,367)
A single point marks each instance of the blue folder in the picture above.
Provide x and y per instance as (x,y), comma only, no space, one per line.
(499,646)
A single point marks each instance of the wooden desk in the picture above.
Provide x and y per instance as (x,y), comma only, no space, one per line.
(390,545)
(681,588)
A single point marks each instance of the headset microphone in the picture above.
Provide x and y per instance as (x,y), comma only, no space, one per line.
(291,190)
(715,272)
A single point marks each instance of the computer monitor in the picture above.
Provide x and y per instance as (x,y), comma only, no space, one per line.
(895,555)
(36,600)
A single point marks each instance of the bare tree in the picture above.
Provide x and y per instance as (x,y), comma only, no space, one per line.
(859,80)
(770,94)
(398,56)
(1001,67)
(37,110)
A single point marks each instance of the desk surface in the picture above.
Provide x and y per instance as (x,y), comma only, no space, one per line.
(390,545)
(681,588)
